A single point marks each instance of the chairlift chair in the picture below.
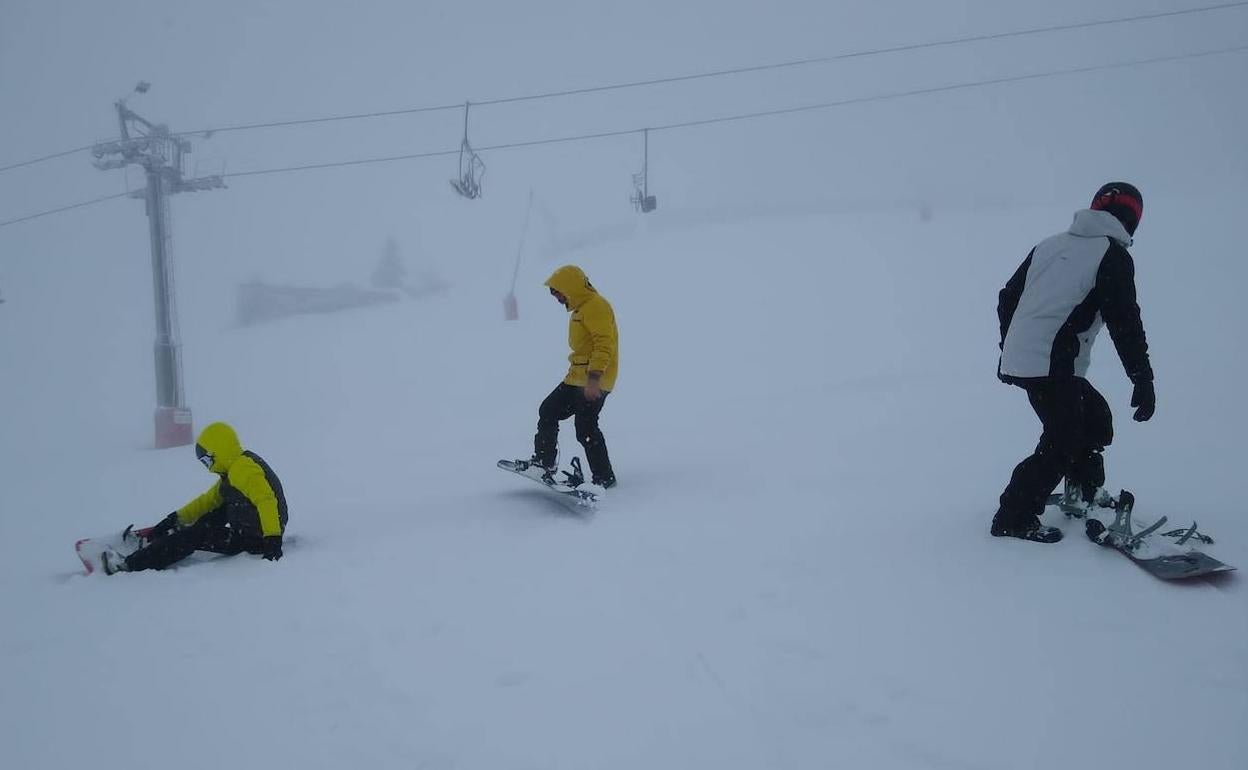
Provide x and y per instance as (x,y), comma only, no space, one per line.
(471,167)
(641,201)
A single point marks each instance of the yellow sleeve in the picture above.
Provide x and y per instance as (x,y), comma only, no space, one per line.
(248,477)
(600,324)
(192,511)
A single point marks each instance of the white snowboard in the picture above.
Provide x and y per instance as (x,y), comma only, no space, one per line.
(583,494)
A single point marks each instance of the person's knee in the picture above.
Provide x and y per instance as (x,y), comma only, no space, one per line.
(1056,456)
(548,415)
(1054,447)
(1099,439)
(554,408)
(1090,468)
(1072,458)
(588,433)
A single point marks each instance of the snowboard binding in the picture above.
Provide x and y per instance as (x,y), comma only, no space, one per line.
(575,477)
(136,538)
(1119,534)
(1183,535)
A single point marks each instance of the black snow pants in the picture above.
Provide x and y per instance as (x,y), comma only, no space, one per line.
(1078,425)
(569,401)
(211,533)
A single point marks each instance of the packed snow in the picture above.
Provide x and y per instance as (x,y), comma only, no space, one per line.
(794,572)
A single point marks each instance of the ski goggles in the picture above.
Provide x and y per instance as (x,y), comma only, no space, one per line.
(204,456)
(1114,196)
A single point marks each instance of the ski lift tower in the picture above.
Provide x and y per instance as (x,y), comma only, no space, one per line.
(642,200)
(161,155)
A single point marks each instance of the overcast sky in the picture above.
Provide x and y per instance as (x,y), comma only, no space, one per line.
(1176,129)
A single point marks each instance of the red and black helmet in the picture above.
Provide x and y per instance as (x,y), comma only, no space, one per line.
(1123,201)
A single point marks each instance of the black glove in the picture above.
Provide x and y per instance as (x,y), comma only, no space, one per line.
(1144,399)
(167,526)
(272,548)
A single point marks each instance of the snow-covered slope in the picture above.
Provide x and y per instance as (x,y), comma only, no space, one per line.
(794,573)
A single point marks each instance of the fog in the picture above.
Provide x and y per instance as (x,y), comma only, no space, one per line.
(795,570)
(1173,128)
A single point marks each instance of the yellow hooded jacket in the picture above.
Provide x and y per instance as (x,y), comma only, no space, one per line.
(247,485)
(592,335)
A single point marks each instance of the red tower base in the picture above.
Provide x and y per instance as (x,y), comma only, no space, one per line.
(173,427)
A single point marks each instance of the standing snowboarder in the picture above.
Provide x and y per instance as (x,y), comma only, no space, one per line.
(593,364)
(245,511)
(1050,313)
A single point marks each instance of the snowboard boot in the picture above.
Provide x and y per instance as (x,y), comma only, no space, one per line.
(113,562)
(606,483)
(547,469)
(134,539)
(1026,528)
(1101,498)
(1078,500)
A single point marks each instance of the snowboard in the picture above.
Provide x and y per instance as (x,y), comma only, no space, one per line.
(1168,555)
(90,549)
(573,488)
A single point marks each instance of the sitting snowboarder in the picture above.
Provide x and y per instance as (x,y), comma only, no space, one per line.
(245,511)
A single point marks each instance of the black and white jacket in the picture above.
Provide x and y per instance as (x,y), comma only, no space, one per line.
(1068,287)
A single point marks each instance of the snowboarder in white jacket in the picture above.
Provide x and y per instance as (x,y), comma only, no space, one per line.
(1050,312)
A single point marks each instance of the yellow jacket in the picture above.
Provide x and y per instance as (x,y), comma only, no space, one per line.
(592,335)
(247,485)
